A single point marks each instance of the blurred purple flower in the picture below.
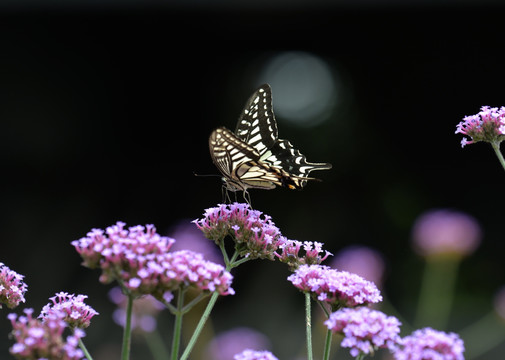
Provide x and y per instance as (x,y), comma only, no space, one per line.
(144,312)
(488,125)
(77,313)
(249,354)
(253,232)
(337,288)
(227,344)
(361,260)
(191,238)
(446,233)
(365,330)
(12,287)
(429,344)
(44,340)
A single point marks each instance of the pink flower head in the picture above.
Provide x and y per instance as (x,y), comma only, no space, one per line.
(44,340)
(290,253)
(227,344)
(488,125)
(254,233)
(365,330)
(361,260)
(144,313)
(429,344)
(337,288)
(12,287)
(186,268)
(122,253)
(446,233)
(249,354)
(77,313)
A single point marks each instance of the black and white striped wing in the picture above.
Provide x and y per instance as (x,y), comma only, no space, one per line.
(256,125)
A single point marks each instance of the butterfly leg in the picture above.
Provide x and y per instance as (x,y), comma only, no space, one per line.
(247,198)
(225,195)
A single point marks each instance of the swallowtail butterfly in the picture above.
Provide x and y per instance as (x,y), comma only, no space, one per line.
(254,157)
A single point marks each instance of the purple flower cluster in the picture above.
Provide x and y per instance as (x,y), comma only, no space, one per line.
(254,355)
(429,344)
(140,260)
(290,253)
(488,125)
(44,340)
(190,269)
(365,330)
(337,288)
(254,233)
(77,313)
(12,287)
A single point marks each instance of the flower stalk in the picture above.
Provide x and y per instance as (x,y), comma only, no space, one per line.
(496,147)
(125,349)
(308,325)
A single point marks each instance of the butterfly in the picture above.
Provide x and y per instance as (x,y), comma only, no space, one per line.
(253,157)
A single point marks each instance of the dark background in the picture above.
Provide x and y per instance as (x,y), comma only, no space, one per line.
(105,114)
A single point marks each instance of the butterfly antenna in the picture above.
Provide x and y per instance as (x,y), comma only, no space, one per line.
(205,175)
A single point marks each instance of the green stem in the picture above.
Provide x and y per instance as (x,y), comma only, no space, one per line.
(239,262)
(437,291)
(308,325)
(156,345)
(200,326)
(84,350)
(496,148)
(193,302)
(176,340)
(361,356)
(125,351)
(483,335)
(327,345)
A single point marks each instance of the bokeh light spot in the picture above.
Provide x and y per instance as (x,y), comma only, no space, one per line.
(304,86)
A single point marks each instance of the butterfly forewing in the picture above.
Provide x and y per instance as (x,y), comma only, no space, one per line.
(256,125)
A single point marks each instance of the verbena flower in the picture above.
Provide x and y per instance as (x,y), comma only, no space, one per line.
(139,259)
(227,344)
(117,248)
(365,330)
(249,354)
(337,288)
(77,313)
(488,125)
(429,344)
(446,233)
(361,260)
(44,340)
(144,312)
(254,233)
(12,287)
(311,255)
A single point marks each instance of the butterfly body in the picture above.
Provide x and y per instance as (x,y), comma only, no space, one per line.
(254,157)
